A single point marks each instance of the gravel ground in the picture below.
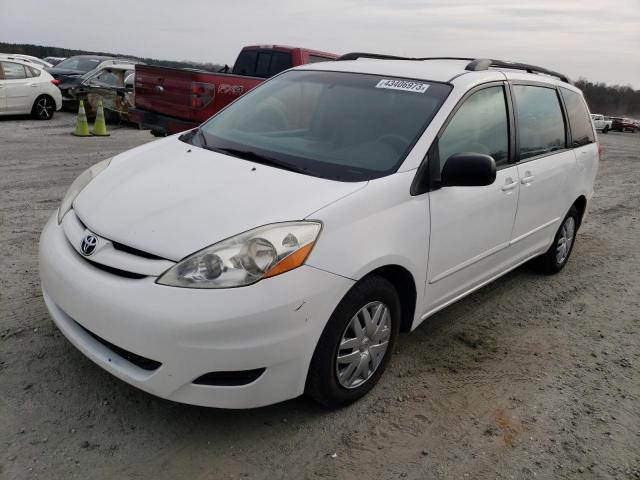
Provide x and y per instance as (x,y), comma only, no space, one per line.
(531,376)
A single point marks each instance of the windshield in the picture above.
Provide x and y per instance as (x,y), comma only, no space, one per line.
(81,64)
(343,126)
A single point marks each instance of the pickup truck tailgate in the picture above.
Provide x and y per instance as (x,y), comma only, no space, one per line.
(163,90)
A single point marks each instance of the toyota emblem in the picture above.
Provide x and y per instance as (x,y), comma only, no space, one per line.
(89,244)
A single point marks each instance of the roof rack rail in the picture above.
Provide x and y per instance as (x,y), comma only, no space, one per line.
(357,55)
(484,64)
(474,65)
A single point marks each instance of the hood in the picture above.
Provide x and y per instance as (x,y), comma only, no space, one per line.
(172,199)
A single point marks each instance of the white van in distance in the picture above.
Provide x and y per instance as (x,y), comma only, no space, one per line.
(279,248)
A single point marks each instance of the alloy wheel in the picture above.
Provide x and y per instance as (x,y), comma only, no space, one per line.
(363,345)
(44,108)
(565,240)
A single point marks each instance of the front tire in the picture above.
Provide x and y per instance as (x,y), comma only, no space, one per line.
(558,254)
(356,344)
(43,108)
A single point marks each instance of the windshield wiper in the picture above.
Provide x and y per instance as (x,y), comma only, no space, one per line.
(258,158)
(188,137)
(202,137)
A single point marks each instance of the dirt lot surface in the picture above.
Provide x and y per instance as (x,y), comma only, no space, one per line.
(530,377)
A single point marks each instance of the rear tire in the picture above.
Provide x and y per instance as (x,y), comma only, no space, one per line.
(560,250)
(356,344)
(43,108)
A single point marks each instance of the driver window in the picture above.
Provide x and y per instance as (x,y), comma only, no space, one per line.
(110,78)
(479,126)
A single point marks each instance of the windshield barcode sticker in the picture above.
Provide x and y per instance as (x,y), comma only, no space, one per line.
(404,85)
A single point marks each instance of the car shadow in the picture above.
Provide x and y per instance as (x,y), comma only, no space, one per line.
(430,346)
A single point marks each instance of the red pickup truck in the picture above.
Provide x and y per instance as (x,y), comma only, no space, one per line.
(623,124)
(170,100)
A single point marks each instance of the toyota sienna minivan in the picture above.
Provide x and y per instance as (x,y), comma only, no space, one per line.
(279,248)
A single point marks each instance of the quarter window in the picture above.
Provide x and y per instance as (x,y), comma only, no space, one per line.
(479,126)
(32,72)
(581,129)
(540,122)
(13,71)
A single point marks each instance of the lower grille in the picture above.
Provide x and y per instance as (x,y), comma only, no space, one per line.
(229,379)
(138,360)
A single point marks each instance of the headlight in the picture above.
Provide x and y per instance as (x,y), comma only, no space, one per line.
(246,258)
(78,184)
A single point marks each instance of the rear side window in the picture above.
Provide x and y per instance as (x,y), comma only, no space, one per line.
(581,129)
(13,71)
(262,66)
(246,63)
(479,126)
(32,72)
(540,122)
(280,61)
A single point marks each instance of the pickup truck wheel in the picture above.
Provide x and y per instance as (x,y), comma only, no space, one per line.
(558,254)
(355,346)
(605,129)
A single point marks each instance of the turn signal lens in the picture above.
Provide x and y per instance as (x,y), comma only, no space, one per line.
(294,260)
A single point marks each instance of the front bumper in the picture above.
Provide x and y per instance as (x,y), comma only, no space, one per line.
(274,324)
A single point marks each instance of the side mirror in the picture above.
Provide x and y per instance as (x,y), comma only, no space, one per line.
(468,170)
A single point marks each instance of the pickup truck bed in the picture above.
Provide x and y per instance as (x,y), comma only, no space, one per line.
(171,100)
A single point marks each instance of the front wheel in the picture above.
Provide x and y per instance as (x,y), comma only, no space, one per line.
(605,129)
(558,254)
(43,108)
(355,346)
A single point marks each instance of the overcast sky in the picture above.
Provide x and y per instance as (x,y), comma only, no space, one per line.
(599,40)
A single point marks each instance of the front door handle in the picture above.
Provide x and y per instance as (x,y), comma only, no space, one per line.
(509,185)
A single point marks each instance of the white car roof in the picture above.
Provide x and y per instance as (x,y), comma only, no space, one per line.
(31,60)
(21,61)
(432,70)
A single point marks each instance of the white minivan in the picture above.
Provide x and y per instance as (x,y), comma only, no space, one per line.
(279,248)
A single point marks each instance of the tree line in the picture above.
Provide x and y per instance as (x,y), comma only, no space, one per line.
(42,51)
(611,100)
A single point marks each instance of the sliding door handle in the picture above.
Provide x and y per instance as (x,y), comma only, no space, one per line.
(527,179)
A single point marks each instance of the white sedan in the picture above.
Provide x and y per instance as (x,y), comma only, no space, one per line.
(27,89)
